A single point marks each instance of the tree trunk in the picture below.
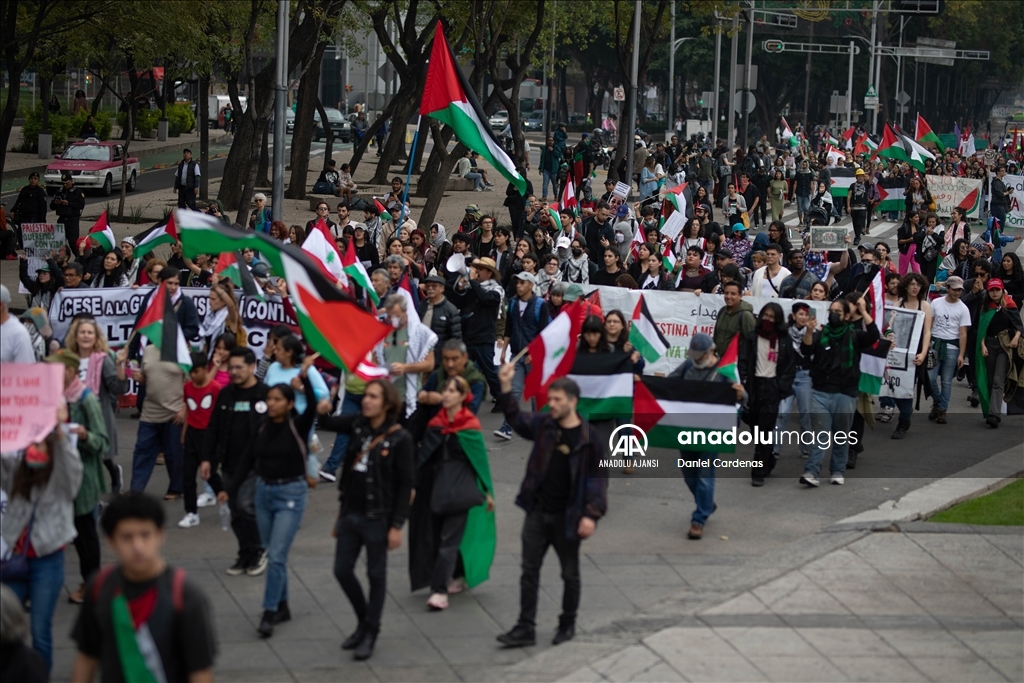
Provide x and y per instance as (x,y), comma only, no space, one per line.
(302,137)
(161,92)
(329,146)
(389,156)
(563,96)
(358,150)
(263,169)
(98,100)
(44,95)
(429,177)
(7,118)
(250,181)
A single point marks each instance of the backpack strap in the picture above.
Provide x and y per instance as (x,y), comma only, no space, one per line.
(101,579)
(178,589)
(537,303)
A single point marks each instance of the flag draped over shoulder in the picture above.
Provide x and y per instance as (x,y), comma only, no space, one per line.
(448,97)
(665,407)
(160,326)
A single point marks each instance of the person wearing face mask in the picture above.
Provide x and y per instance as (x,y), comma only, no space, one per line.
(576,268)
(834,353)
(407,352)
(767,367)
(701,365)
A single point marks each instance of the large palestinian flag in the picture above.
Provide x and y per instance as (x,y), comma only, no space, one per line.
(448,97)
(163,232)
(842,178)
(160,326)
(606,384)
(891,193)
(201,233)
(685,415)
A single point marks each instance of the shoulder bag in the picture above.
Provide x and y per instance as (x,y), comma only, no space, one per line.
(455,488)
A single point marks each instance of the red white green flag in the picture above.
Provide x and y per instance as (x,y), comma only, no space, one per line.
(231,266)
(568,200)
(448,97)
(101,232)
(382,210)
(553,351)
(160,326)
(644,333)
(727,364)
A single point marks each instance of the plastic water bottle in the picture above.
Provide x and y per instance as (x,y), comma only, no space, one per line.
(225,517)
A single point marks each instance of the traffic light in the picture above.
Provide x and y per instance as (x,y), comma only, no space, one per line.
(348,87)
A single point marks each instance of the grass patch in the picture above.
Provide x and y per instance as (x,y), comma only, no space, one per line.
(1004,507)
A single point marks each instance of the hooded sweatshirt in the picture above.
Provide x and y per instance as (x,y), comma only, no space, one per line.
(728,325)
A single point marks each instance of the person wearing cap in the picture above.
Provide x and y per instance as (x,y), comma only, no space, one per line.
(85,412)
(994,336)
(857,204)
(439,314)
(69,202)
(526,316)
(49,279)
(470,220)
(15,341)
(30,206)
(701,365)
(186,180)
(480,299)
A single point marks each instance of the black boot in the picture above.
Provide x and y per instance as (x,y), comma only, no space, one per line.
(901,430)
(566,631)
(365,647)
(353,640)
(266,627)
(519,636)
(282,614)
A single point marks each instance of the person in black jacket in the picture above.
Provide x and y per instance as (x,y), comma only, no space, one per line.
(69,202)
(238,412)
(479,299)
(834,354)
(376,483)
(767,366)
(439,314)
(30,206)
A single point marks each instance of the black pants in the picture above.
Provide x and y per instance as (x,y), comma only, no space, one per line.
(186,198)
(765,413)
(243,522)
(483,356)
(762,211)
(860,223)
(355,530)
(71,233)
(192,455)
(448,531)
(87,544)
(541,530)
(8,243)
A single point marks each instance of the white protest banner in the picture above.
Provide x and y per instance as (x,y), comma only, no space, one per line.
(30,394)
(1015,211)
(115,311)
(904,328)
(950,192)
(680,315)
(40,240)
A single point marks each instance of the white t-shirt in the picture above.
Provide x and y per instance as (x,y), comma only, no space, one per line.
(15,343)
(947,319)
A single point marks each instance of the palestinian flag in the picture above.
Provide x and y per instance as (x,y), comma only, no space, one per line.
(606,384)
(668,258)
(135,646)
(553,351)
(872,365)
(864,145)
(787,132)
(332,322)
(686,415)
(892,145)
(159,324)
(356,272)
(923,133)
(163,232)
(201,233)
(842,178)
(644,334)
(831,140)
(727,364)
(591,305)
(848,137)
(231,266)
(448,97)
(102,234)
(892,196)
(916,153)
(319,244)
(382,210)
(833,154)
(568,200)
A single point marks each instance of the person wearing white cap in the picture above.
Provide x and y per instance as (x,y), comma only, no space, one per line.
(15,343)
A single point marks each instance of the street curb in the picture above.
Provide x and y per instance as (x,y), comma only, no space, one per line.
(152,151)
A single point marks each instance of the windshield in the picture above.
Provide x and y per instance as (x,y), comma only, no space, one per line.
(87,153)
(334,115)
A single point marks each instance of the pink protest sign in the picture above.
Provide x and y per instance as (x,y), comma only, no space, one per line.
(30,394)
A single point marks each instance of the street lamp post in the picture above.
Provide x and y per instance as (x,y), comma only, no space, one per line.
(672,71)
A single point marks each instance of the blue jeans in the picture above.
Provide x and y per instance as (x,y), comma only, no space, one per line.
(350,405)
(155,438)
(831,413)
(701,482)
(551,178)
(803,204)
(46,581)
(477,179)
(944,369)
(802,397)
(279,509)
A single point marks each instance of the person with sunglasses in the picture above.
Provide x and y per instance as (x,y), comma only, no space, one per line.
(323,213)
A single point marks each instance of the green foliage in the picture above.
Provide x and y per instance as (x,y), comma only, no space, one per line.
(180,117)
(145,121)
(1004,507)
(60,128)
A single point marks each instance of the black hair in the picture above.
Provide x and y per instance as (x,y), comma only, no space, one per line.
(198,359)
(292,343)
(229,340)
(243,352)
(392,400)
(343,202)
(75,266)
(131,506)
(775,247)
(695,250)
(280,331)
(566,386)
(732,283)
(594,323)
(168,272)
(504,231)
(983,263)
(286,391)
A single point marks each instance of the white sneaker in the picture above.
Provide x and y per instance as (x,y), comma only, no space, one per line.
(327,476)
(809,479)
(188,521)
(259,567)
(837,480)
(205,500)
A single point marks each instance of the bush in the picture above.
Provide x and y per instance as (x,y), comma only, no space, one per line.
(104,125)
(145,121)
(180,115)
(60,128)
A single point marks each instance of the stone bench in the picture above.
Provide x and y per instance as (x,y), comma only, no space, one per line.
(456,184)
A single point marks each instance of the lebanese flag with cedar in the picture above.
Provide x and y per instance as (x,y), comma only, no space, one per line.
(553,351)
(319,244)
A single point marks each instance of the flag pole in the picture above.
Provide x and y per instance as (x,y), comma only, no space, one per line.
(408,175)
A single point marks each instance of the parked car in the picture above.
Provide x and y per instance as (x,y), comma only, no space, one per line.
(534,121)
(336,120)
(289,122)
(94,165)
(498,120)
